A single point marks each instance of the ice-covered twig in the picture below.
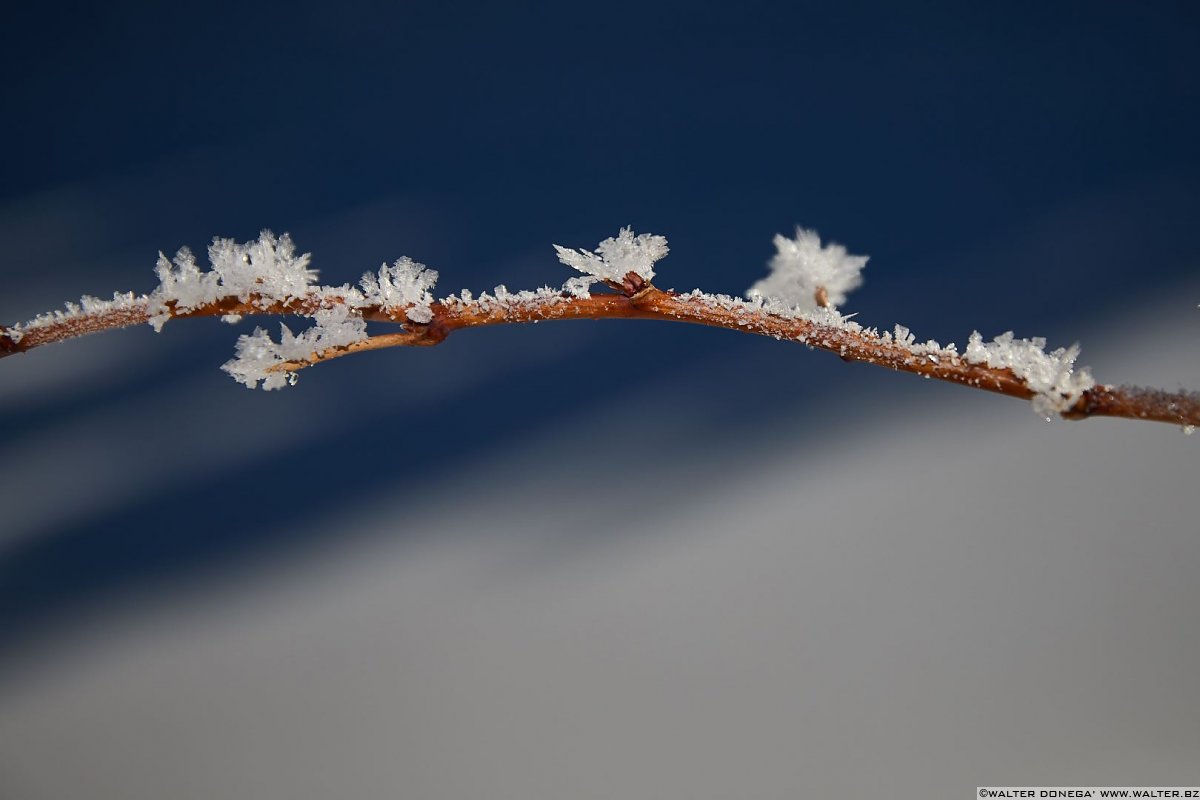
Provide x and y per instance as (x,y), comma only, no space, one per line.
(797,302)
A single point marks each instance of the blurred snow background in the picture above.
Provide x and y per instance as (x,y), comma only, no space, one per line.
(600,559)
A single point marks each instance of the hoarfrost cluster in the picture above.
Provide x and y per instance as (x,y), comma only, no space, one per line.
(404,283)
(801,269)
(616,257)
(258,357)
(1053,378)
(267,268)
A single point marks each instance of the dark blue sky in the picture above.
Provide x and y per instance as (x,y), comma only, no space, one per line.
(1023,165)
(888,125)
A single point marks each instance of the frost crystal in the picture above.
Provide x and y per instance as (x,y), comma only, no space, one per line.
(579,286)
(1051,376)
(404,283)
(617,257)
(265,271)
(181,280)
(802,268)
(258,356)
(267,268)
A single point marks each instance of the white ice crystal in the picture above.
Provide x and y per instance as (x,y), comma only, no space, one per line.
(580,286)
(615,258)
(182,282)
(257,353)
(1052,376)
(264,271)
(267,268)
(404,283)
(802,266)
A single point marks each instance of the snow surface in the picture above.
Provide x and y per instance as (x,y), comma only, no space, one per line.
(618,256)
(801,267)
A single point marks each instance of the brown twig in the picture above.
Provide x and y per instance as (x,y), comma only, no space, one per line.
(640,301)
